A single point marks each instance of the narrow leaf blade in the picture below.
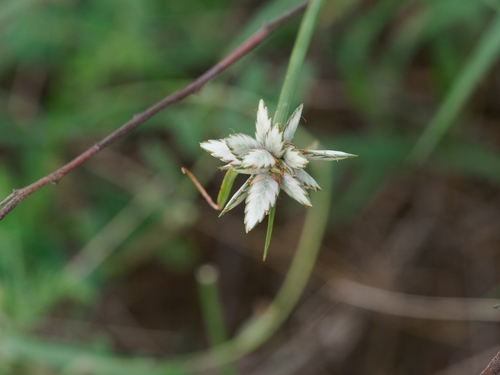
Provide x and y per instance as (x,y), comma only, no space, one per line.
(225,187)
(270,225)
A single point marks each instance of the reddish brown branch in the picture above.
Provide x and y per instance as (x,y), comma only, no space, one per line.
(493,367)
(201,189)
(20,194)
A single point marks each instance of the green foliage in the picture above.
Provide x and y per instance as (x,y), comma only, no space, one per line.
(73,71)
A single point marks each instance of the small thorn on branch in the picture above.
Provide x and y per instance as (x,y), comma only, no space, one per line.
(197,89)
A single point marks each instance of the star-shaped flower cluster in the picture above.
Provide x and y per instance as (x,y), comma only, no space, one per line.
(273,162)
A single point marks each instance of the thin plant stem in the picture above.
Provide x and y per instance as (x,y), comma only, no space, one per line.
(269,232)
(290,85)
(201,189)
(296,62)
(207,277)
(18,195)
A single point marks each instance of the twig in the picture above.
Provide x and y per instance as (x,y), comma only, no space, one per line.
(493,367)
(410,305)
(253,41)
(200,188)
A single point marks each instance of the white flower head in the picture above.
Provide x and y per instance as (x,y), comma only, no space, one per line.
(273,162)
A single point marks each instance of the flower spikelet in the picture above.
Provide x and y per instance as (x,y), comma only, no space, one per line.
(272,162)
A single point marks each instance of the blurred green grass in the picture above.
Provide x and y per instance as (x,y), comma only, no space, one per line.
(73,71)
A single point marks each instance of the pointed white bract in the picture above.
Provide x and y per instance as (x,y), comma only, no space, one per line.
(263,123)
(258,159)
(274,142)
(294,189)
(238,197)
(305,179)
(218,149)
(292,124)
(240,144)
(260,198)
(251,170)
(327,155)
(273,163)
(294,159)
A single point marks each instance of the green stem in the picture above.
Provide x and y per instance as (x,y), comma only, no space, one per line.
(270,222)
(296,62)
(290,84)
(207,277)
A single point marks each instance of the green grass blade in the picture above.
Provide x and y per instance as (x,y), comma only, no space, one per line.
(270,225)
(481,60)
(225,187)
